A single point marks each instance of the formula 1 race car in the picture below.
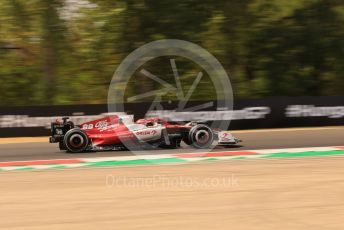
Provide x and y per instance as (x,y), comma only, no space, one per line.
(116,133)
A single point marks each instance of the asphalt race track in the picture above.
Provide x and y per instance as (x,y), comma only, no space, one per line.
(253,140)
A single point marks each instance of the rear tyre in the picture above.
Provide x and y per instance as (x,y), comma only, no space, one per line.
(76,140)
(201,136)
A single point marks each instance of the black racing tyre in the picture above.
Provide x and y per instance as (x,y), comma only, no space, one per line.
(76,140)
(201,136)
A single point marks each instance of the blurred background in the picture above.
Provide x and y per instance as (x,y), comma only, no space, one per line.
(64,52)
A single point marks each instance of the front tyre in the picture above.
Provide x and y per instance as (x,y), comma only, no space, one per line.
(76,140)
(201,136)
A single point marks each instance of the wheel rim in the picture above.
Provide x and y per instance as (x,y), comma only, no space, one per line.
(202,137)
(76,141)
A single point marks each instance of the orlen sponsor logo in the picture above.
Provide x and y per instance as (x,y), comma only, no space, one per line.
(144,133)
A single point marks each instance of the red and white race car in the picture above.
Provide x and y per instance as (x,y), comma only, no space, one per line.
(114,133)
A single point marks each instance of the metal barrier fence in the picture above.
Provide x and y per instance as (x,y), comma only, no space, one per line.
(277,112)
